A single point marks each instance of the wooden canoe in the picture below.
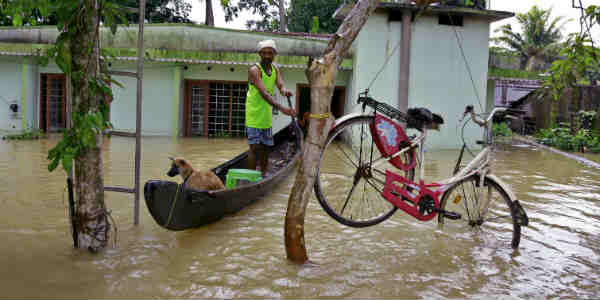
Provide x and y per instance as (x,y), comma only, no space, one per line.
(175,207)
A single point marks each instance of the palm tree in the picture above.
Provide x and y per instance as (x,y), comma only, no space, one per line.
(539,40)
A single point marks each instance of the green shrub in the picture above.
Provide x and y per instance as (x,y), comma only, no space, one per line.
(26,134)
(562,138)
(501,129)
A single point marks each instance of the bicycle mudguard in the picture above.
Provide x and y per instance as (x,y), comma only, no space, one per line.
(503,185)
(347,117)
(390,138)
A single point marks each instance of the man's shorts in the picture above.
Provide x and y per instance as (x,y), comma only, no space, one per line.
(260,136)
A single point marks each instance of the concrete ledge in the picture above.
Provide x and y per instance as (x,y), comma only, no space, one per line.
(580,159)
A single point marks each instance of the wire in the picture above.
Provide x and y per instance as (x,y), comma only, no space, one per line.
(387,59)
(462,52)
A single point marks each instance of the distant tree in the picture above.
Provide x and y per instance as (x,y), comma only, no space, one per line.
(157,11)
(209,17)
(161,11)
(37,18)
(302,15)
(272,13)
(539,40)
(581,63)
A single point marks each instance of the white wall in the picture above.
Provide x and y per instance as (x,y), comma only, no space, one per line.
(439,79)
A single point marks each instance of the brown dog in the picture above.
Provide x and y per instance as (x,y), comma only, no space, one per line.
(199,180)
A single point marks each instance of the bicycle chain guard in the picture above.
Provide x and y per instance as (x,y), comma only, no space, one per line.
(410,202)
(390,138)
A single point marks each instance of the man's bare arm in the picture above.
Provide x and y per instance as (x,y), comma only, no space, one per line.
(279,83)
(254,79)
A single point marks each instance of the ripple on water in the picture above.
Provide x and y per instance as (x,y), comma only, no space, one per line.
(243,256)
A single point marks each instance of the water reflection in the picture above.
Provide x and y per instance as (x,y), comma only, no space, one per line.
(243,255)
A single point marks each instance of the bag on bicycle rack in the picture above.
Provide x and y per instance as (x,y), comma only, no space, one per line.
(389,138)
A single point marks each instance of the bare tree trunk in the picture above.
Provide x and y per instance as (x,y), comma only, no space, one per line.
(321,74)
(92,223)
(535,63)
(282,18)
(210,18)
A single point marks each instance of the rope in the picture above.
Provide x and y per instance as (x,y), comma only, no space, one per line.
(326,115)
(173,205)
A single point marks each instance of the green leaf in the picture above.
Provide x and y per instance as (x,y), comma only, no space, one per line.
(52,166)
(67,162)
(17,20)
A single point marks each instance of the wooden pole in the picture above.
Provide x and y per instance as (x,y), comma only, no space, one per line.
(405,61)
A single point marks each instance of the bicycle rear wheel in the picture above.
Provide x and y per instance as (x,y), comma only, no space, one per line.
(347,187)
(493,219)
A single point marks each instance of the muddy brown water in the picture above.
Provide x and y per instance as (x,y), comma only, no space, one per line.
(243,256)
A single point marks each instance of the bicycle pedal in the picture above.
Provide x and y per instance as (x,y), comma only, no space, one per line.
(448,214)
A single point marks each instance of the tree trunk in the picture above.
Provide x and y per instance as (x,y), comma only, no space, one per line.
(321,74)
(210,18)
(535,63)
(282,18)
(92,223)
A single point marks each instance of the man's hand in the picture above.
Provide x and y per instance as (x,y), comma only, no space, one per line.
(289,111)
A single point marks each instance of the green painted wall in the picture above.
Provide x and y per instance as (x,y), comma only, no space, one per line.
(17,85)
(10,87)
(439,79)
(374,44)
(157,103)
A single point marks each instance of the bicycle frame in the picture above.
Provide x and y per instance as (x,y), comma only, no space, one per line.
(479,165)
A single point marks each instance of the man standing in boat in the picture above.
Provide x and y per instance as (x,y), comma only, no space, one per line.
(260,101)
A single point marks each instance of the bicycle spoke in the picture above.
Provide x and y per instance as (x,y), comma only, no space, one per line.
(347,156)
(354,203)
(354,184)
(495,221)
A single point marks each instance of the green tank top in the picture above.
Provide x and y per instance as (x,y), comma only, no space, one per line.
(258,110)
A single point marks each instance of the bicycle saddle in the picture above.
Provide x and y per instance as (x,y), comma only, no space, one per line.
(420,117)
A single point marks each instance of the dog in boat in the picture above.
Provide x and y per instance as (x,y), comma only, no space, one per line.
(199,180)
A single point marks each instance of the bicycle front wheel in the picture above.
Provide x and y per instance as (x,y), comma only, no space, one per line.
(347,186)
(485,210)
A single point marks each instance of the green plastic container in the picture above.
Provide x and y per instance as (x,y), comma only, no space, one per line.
(233,175)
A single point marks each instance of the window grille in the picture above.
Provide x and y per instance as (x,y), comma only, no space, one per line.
(52,102)
(198,110)
(216,108)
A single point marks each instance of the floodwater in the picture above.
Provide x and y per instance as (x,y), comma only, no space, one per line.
(243,256)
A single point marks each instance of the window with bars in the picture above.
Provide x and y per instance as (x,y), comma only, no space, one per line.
(52,102)
(215,108)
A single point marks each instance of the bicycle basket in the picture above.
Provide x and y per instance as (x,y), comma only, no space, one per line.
(389,138)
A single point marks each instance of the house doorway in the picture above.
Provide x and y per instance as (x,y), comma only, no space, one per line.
(53,102)
(337,101)
(214,108)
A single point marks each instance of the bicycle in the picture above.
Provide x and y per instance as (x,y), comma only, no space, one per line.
(371,145)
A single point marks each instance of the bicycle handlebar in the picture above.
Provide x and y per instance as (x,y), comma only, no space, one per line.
(469,110)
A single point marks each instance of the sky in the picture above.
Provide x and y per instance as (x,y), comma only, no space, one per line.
(559,8)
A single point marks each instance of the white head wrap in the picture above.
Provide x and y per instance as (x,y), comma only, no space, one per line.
(267,44)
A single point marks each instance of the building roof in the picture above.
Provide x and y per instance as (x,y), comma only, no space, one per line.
(184,37)
(171,56)
(403,5)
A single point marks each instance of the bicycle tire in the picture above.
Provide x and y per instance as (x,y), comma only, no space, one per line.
(499,220)
(370,209)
